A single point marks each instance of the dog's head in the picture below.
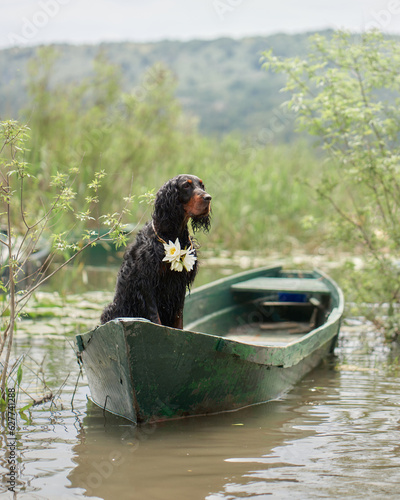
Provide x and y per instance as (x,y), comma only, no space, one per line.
(182,198)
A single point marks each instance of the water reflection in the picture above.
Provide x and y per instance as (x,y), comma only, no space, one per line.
(181,459)
(336,435)
(331,440)
(351,450)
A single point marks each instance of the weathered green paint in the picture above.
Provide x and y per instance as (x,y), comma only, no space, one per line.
(261,284)
(146,372)
(108,373)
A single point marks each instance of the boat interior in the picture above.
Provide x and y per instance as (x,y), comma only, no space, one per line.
(272,311)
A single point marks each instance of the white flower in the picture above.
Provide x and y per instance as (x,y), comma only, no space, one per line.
(188,259)
(172,251)
(178,258)
(177,265)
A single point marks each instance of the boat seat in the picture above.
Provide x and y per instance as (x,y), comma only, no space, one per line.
(289,285)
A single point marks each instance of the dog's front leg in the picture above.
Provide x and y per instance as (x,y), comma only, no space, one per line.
(152,309)
(178,320)
(154,317)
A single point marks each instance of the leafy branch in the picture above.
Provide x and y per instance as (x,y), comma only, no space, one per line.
(21,237)
(346,93)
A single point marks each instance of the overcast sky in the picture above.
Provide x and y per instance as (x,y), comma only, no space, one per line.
(32,22)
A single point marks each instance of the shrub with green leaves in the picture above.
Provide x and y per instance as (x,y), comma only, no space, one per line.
(29,215)
(347,94)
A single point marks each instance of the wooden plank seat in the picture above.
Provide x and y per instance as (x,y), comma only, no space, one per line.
(290,285)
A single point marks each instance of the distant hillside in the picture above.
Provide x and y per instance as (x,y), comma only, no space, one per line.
(220,81)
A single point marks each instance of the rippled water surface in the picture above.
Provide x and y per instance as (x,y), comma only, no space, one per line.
(335,435)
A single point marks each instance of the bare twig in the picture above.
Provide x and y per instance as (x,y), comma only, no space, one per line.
(12,306)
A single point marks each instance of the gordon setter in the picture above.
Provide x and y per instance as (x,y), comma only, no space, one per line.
(161,264)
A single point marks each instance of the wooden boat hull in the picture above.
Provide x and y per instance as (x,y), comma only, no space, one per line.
(146,372)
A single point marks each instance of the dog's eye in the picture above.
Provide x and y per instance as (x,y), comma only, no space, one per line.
(187,185)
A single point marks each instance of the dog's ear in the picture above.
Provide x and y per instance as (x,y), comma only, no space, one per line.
(203,222)
(167,208)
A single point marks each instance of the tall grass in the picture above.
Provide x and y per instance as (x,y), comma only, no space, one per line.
(259,193)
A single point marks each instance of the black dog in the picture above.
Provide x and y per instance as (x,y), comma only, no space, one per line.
(161,264)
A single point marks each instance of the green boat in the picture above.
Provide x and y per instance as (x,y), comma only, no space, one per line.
(247,339)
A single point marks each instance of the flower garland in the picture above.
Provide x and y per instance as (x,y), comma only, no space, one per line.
(177,257)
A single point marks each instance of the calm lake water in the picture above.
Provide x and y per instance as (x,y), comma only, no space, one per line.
(336,434)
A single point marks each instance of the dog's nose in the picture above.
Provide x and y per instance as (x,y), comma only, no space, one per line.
(207,197)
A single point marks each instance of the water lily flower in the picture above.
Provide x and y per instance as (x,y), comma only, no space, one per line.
(172,251)
(189,259)
(177,265)
(179,259)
